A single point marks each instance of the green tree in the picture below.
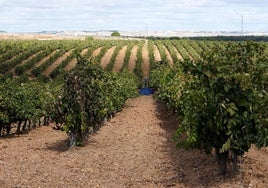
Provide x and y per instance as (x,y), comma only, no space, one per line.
(115,34)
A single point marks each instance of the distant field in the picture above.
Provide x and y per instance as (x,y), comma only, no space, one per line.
(48,55)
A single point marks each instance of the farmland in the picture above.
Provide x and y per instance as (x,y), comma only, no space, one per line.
(34,58)
(48,58)
(95,79)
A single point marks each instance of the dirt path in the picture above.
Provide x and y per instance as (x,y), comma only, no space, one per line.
(133,58)
(71,65)
(157,56)
(188,54)
(49,69)
(134,149)
(84,51)
(23,62)
(12,58)
(95,53)
(179,56)
(107,56)
(145,57)
(73,62)
(119,60)
(169,58)
(41,62)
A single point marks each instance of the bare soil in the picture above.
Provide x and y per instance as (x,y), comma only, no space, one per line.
(84,51)
(170,60)
(179,56)
(133,149)
(53,66)
(133,58)
(41,62)
(71,65)
(157,55)
(96,52)
(146,62)
(23,62)
(119,60)
(107,56)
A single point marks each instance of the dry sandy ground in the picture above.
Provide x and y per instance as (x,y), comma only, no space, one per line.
(96,52)
(71,65)
(145,57)
(107,56)
(119,60)
(157,55)
(169,58)
(133,58)
(134,149)
(53,66)
(41,62)
(179,57)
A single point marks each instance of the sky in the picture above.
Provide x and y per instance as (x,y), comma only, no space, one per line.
(133,15)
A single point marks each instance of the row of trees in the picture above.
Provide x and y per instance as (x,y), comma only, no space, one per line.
(221,100)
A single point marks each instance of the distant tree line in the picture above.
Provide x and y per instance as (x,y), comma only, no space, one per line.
(233,38)
(215,38)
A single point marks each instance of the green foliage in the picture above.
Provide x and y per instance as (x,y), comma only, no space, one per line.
(138,68)
(19,70)
(22,100)
(91,94)
(42,78)
(222,100)
(115,34)
(110,65)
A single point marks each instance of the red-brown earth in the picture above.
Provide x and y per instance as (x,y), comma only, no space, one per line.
(133,149)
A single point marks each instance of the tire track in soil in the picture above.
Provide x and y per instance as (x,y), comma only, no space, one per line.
(146,62)
(107,56)
(133,58)
(119,60)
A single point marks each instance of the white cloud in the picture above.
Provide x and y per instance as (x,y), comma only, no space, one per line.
(32,15)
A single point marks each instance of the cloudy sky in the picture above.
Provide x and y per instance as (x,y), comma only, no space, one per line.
(133,15)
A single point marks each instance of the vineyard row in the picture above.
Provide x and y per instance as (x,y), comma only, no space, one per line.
(49,58)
